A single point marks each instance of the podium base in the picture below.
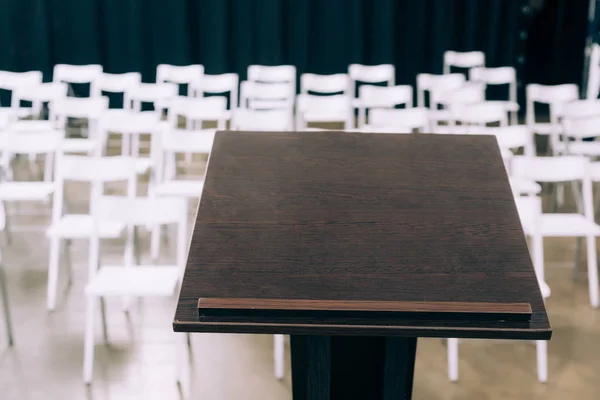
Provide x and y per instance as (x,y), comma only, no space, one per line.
(352,367)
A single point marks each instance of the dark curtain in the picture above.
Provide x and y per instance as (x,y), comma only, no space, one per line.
(321,36)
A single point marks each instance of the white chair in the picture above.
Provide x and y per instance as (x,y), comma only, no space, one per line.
(5,305)
(370,74)
(13,81)
(221,83)
(79,74)
(262,120)
(435,86)
(266,96)
(514,137)
(572,169)
(335,108)
(38,95)
(128,279)
(273,74)
(466,59)
(66,226)
(370,96)
(117,84)
(580,120)
(157,94)
(88,108)
(180,75)
(500,76)
(454,102)
(130,125)
(476,117)
(397,118)
(555,97)
(529,209)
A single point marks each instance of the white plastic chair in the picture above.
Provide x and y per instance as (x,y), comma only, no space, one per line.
(573,169)
(13,81)
(221,83)
(370,96)
(370,74)
(273,74)
(157,94)
(324,98)
(128,279)
(89,108)
(580,119)
(266,96)
(39,95)
(81,74)
(475,118)
(180,75)
(466,59)
(500,76)
(397,118)
(116,84)
(454,102)
(555,96)
(529,209)
(262,120)
(66,226)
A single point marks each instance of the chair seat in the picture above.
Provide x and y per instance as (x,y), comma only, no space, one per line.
(568,225)
(25,191)
(79,145)
(79,226)
(137,281)
(542,128)
(183,188)
(33,126)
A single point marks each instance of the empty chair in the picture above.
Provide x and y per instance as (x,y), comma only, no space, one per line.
(382,97)
(325,84)
(221,83)
(67,226)
(324,98)
(79,74)
(370,74)
(197,110)
(180,75)
(454,101)
(500,76)
(467,59)
(262,120)
(403,119)
(529,209)
(573,169)
(555,96)
(514,137)
(91,109)
(580,120)
(474,118)
(13,81)
(118,84)
(273,74)
(39,95)
(157,94)
(127,279)
(435,86)
(267,96)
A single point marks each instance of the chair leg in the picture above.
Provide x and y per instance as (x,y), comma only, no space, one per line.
(560,194)
(453,360)
(592,268)
(182,372)
(542,360)
(68,259)
(577,267)
(53,273)
(7,230)
(88,349)
(7,318)
(279,356)
(103,314)
(155,243)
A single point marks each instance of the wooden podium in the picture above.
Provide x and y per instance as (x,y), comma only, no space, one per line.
(356,244)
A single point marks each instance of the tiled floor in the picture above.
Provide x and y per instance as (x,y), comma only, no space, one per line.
(138,362)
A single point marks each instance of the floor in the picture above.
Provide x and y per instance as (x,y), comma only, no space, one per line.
(138,361)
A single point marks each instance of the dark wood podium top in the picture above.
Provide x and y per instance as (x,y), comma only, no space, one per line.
(337,233)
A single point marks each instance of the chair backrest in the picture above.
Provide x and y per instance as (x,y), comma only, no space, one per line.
(95,170)
(38,94)
(409,118)
(514,137)
(378,129)
(78,74)
(436,84)
(222,83)
(198,109)
(132,122)
(382,73)
(262,120)
(325,84)
(553,95)
(158,94)
(78,107)
(118,83)
(593,83)
(581,119)
(550,169)
(469,93)
(180,75)
(385,96)
(273,74)
(497,76)
(467,59)
(481,114)
(31,142)
(13,80)
(266,96)
(144,211)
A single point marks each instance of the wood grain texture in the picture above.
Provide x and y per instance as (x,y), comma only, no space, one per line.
(345,216)
(225,309)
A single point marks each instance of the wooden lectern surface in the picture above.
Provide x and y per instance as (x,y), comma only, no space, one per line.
(337,233)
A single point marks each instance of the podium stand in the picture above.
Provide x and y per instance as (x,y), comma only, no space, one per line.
(355,245)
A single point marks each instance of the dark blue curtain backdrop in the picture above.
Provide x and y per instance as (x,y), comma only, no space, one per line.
(321,36)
